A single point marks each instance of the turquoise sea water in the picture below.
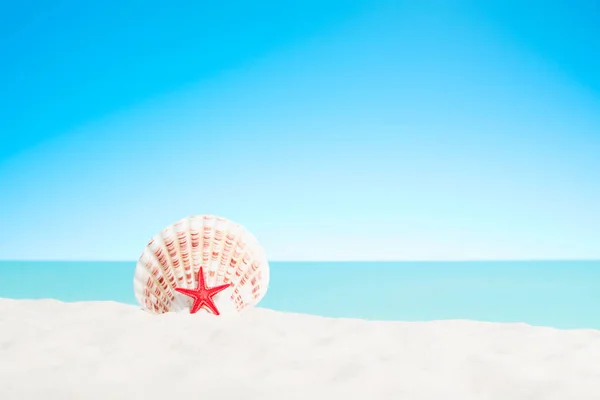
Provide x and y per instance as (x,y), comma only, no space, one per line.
(562,294)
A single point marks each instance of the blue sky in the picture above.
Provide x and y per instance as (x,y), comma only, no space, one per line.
(333,130)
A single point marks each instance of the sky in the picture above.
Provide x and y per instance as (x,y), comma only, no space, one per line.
(332,130)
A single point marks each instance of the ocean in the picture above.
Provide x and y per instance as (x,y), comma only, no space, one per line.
(561,294)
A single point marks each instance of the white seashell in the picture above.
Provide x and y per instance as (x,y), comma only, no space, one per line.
(227,253)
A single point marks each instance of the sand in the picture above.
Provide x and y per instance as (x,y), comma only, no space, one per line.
(104,350)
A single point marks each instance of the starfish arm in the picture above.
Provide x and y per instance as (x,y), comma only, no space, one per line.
(198,303)
(213,291)
(188,292)
(212,307)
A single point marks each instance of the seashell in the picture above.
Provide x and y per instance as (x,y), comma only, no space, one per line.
(223,251)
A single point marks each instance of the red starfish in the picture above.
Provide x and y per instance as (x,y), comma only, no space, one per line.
(203,296)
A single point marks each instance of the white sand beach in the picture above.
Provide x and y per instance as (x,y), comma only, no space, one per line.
(104,350)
